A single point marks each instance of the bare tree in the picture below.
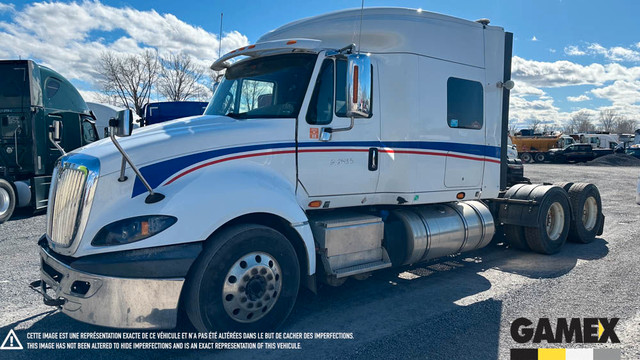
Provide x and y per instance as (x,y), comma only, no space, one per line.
(181,79)
(513,127)
(571,126)
(583,122)
(129,78)
(625,126)
(534,124)
(608,120)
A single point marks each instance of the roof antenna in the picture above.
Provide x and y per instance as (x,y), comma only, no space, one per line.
(360,31)
(220,37)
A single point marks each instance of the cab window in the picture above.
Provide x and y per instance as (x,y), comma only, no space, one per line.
(321,105)
(89,133)
(341,88)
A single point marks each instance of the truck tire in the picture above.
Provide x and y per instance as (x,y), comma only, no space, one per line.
(7,200)
(587,209)
(526,157)
(553,223)
(540,157)
(246,279)
(565,185)
(515,237)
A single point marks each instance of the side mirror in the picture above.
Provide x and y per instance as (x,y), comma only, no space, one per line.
(122,125)
(358,86)
(56,130)
(325,134)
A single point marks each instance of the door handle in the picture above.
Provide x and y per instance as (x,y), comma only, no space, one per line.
(373,159)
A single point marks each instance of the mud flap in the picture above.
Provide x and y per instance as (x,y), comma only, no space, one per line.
(601,229)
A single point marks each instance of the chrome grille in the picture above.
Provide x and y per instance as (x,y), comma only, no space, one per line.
(68,198)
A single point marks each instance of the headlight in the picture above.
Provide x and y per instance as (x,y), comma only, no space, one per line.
(132,229)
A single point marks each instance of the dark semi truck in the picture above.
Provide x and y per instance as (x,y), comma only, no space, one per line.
(35,100)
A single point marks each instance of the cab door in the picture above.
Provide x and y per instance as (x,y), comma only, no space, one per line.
(347,164)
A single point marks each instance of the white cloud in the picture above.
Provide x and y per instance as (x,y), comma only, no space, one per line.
(6,8)
(623,92)
(534,38)
(566,73)
(553,51)
(524,89)
(72,48)
(573,51)
(578,98)
(616,53)
(618,84)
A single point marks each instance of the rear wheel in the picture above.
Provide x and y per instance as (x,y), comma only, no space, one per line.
(539,157)
(515,237)
(565,185)
(552,229)
(246,279)
(526,157)
(587,207)
(7,200)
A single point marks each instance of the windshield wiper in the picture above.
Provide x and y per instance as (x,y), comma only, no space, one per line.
(233,115)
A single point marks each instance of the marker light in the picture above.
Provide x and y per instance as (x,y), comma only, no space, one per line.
(315,204)
(460,196)
(291,42)
(355,84)
(132,229)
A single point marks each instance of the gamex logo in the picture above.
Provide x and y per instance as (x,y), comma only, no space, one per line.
(574,330)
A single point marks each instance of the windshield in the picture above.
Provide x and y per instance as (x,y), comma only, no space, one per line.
(14,86)
(269,87)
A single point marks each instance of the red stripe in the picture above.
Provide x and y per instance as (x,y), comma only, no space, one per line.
(390,151)
(227,159)
(333,150)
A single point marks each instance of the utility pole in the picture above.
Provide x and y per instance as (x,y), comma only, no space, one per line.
(220,37)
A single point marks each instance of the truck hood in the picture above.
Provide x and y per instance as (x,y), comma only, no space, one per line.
(172,139)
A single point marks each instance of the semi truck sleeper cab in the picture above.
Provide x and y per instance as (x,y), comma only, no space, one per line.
(316,160)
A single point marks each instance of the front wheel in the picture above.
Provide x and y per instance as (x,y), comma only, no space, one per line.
(7,200)
(246,279)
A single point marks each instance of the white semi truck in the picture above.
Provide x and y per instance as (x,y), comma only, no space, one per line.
(316,160)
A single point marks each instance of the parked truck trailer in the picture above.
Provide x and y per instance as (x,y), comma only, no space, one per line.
(536,147)
(342,159)
(32,99)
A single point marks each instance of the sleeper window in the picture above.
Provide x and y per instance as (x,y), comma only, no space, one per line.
(464,104)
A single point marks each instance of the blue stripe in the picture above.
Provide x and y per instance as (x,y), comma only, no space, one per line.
(471,149)
(157,173)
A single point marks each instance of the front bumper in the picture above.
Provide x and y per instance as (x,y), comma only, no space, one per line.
(140,303)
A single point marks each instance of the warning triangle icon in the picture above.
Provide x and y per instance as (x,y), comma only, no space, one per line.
(11,342)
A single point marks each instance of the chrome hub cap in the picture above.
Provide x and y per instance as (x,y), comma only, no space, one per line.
(555,221)
(251,287)
(4,201)
(590,213)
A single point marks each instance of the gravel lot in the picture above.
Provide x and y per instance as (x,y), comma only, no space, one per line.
(457,308)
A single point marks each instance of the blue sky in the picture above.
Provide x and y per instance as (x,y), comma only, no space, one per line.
(569,55)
